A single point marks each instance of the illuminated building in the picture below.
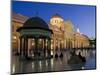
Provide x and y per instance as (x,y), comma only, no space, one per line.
(64,35)
(17,22)
(57,26)
(80,40)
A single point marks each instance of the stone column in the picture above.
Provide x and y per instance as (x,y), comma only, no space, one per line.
(20,46)
(18,51)
(29,47)
(58,45)
(77,44)
(26,47)
(36,47)
(49,47)
(23,50)
(66,44)
(42,44)
(54,42)
(44,48)
(74,43)
(70,44)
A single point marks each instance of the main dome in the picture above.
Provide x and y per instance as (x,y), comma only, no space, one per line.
(36,22)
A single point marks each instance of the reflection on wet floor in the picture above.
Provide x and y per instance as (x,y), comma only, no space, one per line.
(67,62)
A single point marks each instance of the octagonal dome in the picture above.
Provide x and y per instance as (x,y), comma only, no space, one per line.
(36,22)
(33,24)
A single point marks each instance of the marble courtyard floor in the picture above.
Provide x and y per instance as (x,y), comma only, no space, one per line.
(67,63)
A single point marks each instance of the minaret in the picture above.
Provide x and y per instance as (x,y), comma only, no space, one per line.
(78,30)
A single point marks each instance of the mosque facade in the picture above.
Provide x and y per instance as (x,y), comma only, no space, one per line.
(64,36)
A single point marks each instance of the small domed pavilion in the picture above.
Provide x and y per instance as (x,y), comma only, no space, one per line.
(37,29)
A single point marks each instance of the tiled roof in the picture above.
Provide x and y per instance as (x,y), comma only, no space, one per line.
(19,18)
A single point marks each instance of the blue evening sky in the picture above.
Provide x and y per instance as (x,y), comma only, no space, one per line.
(82,16)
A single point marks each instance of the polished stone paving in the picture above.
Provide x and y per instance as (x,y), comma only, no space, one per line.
(68,62)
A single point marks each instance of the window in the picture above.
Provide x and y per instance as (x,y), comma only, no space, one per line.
(14,37)
(55,21)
